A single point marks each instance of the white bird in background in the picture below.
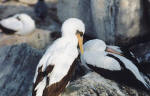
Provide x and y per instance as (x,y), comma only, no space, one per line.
(20,24)
(57,65)
(111,62)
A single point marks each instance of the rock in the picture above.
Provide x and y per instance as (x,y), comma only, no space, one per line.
(38,39)
(17,68)
(28,1)
(11,8)
(142,51)
(114,21)
(78,9)
(93,84)
(32,2)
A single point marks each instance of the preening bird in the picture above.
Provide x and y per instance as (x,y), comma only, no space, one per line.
(112,63)
(20,24)
(57,65)
(41,9)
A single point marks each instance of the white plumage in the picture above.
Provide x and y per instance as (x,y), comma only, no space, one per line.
(20,24)
(97,56)
(61,54)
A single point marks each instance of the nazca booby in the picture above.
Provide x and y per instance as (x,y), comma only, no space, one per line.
(113,63)
(20,24)
(57,65)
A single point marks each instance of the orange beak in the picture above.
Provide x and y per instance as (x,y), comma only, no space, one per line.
(113,51)
(80,40)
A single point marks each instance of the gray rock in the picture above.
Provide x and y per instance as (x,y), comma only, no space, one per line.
(77,9)
(93,84)
(17,69)
(142,54)
(114,21)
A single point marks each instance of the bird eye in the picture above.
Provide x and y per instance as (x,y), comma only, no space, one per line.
(79,32)
(18,18)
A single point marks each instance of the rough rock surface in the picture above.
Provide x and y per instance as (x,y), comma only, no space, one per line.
(34,1)
(17,69)
(115,21)
(93,84)
(142,51)
(78,9)
(38,39)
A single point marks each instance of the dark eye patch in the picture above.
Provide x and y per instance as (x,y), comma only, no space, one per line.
(79,32)
(18,18)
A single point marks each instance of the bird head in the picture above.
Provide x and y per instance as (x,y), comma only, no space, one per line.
(24,18)
(95,44)
(74,27)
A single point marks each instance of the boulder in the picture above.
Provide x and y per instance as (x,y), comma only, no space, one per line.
(77,9)
(92,84)
(142,51)
(38,39)
(17,68)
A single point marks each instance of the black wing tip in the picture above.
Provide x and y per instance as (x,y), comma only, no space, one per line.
(6,30)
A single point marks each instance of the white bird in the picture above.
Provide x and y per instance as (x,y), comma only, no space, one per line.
(110,62)
(57,65)
(20,24)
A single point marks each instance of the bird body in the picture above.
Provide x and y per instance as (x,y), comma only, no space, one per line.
(57,65)
(20,24)
(112,64)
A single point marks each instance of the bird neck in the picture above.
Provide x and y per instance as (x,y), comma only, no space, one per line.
(71,40)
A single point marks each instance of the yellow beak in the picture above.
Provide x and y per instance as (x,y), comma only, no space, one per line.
(80,40)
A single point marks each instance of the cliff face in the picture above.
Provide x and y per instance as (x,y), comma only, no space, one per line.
(119,22)
(17,69)
(92,84)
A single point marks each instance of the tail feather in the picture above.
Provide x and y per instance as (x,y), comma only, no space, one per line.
(147,81)
(40,88)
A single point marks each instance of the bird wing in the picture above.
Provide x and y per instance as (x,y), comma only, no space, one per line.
(43,68)
(133,68)
(40,80)
(59,60)
(99,59)
(57,87)
(12,24)
(125,52)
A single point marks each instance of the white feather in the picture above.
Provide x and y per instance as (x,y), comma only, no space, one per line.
(12,23)
(40,87)
(129,65)
(61,53)
(99,59)
(96,57)
(24,25)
